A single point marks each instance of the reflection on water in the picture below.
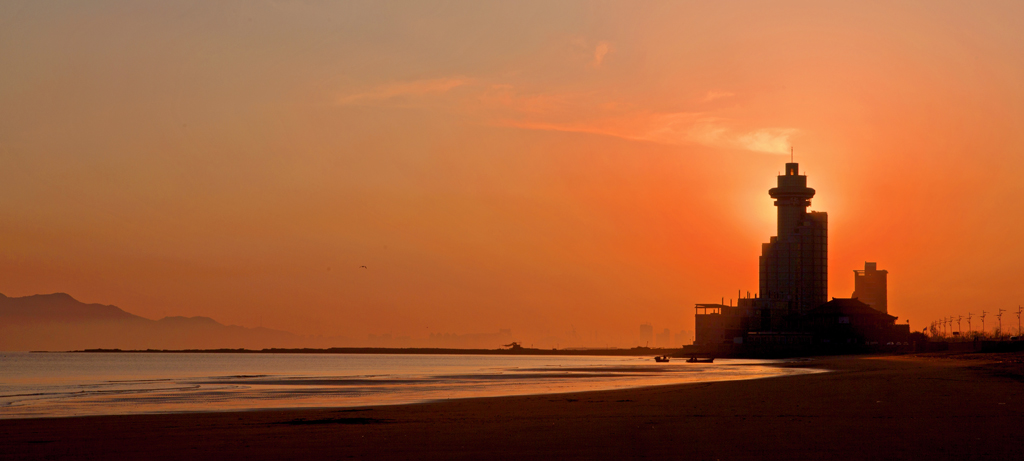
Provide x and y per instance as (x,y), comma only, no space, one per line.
(68,384)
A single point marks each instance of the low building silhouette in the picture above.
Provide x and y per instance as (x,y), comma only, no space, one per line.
(851,321)
(725,324)
(711,323)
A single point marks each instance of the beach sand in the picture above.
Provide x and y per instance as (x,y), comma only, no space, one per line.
(867,408)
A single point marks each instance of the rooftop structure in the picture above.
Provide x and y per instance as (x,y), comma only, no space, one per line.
(852,321)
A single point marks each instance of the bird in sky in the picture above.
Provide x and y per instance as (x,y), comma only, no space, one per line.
(362,267)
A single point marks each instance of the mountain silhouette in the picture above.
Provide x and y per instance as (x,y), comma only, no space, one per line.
(58,307)
(57,321)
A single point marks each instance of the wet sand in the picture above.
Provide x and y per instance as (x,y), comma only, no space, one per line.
(921,407)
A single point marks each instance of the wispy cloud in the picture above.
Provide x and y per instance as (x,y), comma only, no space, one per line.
(600,51)
(717,132)
(713,95)
(400,89)
(505,98)
(699,128)
(770,140)
(576,113)
(583,112)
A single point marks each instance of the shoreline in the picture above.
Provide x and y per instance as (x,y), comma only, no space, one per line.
(389,405)
(273,390)
(612,352)
(891,407)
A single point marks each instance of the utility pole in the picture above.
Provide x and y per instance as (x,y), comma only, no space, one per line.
(958,329)
(983,322)
(1018,320)
(969,315)
(1000,317)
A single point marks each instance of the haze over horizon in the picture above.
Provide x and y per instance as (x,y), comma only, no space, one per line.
(545,168)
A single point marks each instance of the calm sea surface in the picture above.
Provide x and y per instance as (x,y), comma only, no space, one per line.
(70,384)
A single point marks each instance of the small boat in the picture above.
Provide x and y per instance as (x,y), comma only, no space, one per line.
(661,358)
(696,360)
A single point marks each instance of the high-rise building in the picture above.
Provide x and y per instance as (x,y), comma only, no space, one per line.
(646,335)
(794,263)
(682,338)
(664,339)
(869,286)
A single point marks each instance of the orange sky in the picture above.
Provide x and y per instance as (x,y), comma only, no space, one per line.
(534,166)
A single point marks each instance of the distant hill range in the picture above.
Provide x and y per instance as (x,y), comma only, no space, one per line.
(58,322)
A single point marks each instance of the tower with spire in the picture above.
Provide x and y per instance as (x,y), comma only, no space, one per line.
(793,312)
(793,269)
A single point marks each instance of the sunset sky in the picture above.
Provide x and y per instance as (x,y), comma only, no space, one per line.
(539,166)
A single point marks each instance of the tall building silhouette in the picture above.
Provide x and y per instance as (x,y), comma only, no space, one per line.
(646,334)
(869,286)
(794,263)
(792,313)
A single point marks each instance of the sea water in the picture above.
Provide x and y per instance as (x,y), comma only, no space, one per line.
(74,384)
